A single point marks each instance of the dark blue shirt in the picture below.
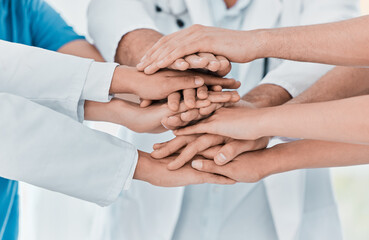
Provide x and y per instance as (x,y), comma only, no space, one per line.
(35,23)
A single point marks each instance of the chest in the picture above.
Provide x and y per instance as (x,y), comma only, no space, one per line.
(14,22)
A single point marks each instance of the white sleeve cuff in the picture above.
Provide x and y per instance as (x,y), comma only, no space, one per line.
(124,176)
(129,180)
(98,82)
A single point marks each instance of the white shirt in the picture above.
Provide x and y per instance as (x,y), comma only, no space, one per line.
(42,141)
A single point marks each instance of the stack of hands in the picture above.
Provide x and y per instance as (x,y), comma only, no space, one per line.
(185,94)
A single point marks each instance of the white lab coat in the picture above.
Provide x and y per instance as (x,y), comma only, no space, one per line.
(302,202)
(42,141)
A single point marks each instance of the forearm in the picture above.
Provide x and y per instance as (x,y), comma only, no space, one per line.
(82,48)
(340,43)
(134,45)
(267,95)
(341,82)
(116,111)
(305,154)
(342,120)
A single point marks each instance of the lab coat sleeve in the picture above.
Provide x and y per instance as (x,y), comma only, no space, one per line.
(295,77)
(109,20)
(58,81)
(50,150)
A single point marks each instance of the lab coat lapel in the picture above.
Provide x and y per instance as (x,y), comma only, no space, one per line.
(199,12)
(260,14)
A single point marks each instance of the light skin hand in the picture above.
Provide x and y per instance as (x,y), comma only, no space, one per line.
(338,43)
(202,110)
(161,85)
(249,167)
(190,146)
(134,45)
(156,173)
(130,114)
(236,46)
(302,154)
(234,122)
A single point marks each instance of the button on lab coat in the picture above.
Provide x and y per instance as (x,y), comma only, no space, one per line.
(42,141)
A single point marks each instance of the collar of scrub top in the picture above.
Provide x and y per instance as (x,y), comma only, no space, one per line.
(174,8)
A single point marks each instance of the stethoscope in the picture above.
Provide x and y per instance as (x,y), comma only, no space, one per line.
(180,23)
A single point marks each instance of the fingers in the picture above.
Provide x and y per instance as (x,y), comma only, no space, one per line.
(209,166)
(189,96)
(235,147)
(226,83)
(202,92)
(213,63)
(180,64)
(225,66)
(145,103)
(217,88)
(173,101)
(210,153)
(231,150)
(166,149)
(210,109)
(193,148)
(190,115)
(223,97)
(203,127)
(195,61)
(184,82)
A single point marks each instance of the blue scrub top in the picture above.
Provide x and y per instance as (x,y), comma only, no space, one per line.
(35,23)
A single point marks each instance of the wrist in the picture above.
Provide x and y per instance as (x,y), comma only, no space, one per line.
(121,82)
(143,167)
(269,43)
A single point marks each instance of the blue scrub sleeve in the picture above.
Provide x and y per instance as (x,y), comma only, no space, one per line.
(48,28)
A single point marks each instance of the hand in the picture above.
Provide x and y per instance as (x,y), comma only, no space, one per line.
(155,172)
(136,43)
(236,46)
(239,122)
(201,61)
(249,167)
(192,145)
(131,115)
(161,85)
(189,117)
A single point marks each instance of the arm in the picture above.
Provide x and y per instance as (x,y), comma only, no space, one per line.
(341,82)
(82,48)
(47,149)
(55,80)
(341,120)
(254,166)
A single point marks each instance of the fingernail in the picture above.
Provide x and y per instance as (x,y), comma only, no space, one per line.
(221,158)
(196,164)
(199,81)
(140,65)
(164,126)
